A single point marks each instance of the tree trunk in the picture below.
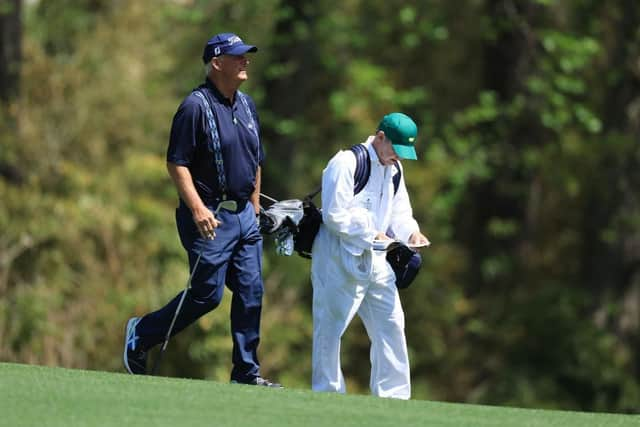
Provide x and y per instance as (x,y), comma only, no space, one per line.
(507,61)
(10,51)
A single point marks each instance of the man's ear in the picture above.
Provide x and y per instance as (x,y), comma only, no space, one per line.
(216,62)
(378,141)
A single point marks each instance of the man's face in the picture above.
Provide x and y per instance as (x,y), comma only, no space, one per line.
(384,149)
(234,67)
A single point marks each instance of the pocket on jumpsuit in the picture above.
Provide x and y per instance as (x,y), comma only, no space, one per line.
(356,266)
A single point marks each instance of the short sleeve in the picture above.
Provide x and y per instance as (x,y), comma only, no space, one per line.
(184,132)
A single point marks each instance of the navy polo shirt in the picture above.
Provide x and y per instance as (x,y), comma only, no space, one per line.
(191,144)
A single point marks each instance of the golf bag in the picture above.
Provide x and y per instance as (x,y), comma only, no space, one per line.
(307,227)
(310,223)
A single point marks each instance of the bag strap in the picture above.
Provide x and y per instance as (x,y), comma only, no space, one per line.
(252,123)
(363,167)
(363,170)
(217,150)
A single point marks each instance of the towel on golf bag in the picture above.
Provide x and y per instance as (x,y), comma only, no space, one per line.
(282,219)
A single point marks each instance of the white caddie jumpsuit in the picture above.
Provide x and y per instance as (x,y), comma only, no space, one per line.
(348,277)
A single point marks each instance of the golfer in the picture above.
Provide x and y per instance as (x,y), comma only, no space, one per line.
(349,276)
(214,155)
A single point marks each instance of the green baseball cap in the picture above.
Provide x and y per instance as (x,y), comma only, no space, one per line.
(402,131)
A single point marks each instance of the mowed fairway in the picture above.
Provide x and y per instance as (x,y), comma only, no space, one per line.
(42,396)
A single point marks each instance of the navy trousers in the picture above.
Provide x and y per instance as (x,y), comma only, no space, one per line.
(233,258)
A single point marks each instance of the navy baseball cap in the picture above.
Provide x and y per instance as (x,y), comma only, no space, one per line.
(225,44)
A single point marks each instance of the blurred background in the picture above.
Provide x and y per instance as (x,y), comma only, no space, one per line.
(527,183)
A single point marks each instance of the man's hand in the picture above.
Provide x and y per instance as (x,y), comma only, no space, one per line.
(382,236)
(202,216)
(418,239)
(381,242)
(206,222)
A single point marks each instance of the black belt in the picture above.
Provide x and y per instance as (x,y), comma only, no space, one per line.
(213,204)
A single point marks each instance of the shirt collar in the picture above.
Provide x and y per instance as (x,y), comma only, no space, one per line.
(216,93)
(372,151)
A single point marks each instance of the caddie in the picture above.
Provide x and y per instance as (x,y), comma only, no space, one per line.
(349,275)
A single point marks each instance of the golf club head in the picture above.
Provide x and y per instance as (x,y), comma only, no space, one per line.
(230,205)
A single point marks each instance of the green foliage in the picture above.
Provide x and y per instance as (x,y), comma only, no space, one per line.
(526,184)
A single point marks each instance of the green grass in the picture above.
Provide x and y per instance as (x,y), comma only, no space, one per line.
(42,396)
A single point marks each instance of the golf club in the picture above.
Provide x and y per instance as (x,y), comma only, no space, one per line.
(271,199)
(230,205)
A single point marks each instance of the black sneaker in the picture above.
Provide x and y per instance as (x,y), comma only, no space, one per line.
(135,359)
(259,381)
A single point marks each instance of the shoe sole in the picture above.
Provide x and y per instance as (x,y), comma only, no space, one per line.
(258,385)
(130,324)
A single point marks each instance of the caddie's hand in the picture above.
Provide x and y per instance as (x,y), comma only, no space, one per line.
(206,222)
(382,236)
(418,239)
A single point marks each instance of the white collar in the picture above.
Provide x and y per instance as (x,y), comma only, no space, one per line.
(372,151)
